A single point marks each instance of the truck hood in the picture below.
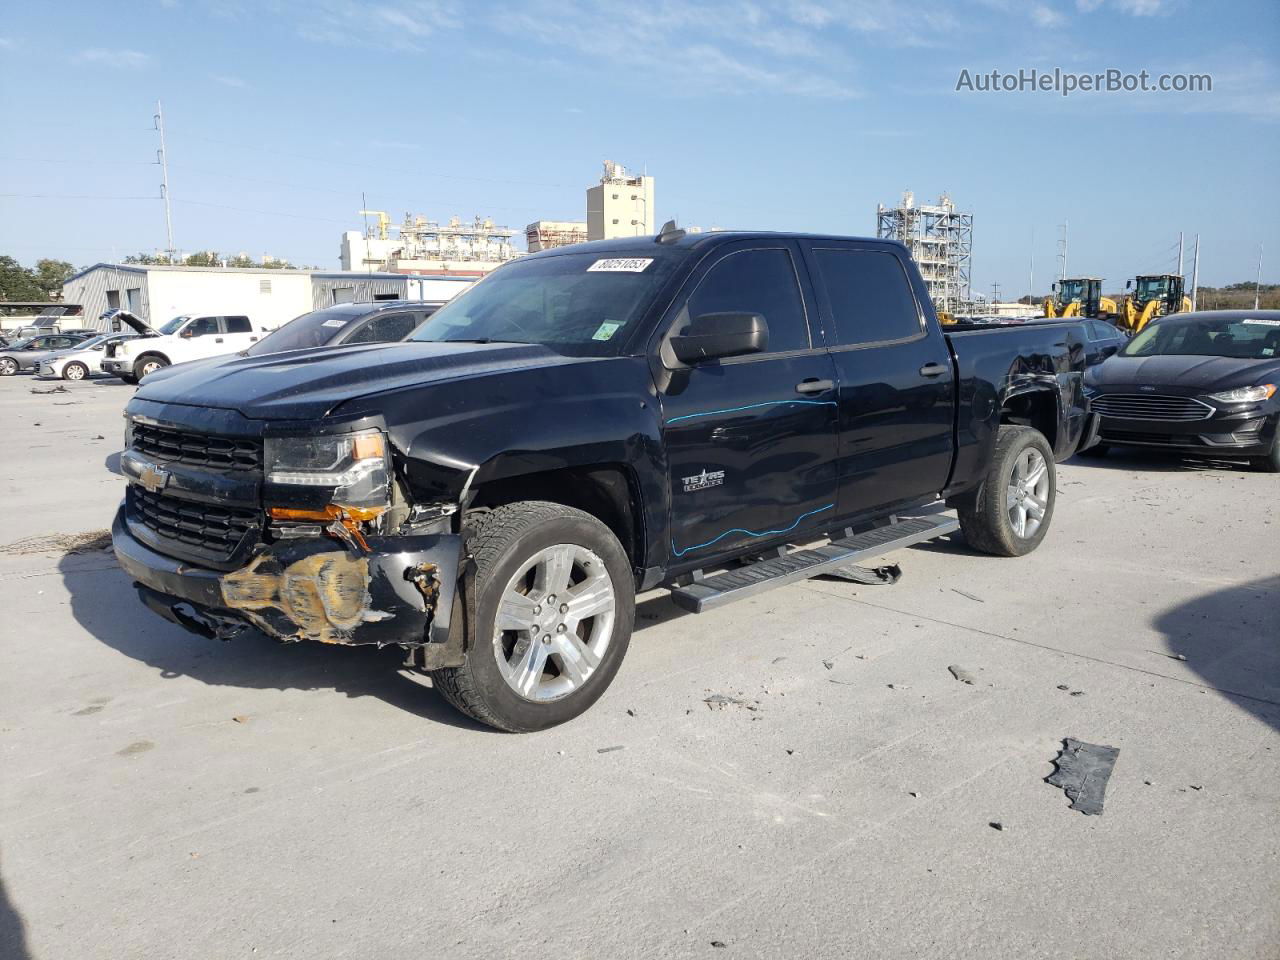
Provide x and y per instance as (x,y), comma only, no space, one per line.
(308,384)
(127,319)
(1192,374)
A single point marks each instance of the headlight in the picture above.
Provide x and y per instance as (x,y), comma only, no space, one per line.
(355,465)
(128,432)
(1245,394)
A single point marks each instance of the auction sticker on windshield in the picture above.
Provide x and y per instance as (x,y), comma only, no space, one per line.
(621,265)
(1257,322)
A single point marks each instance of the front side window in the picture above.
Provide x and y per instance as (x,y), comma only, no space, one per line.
(385,328)
(202,327)
(756,281)
(870,296)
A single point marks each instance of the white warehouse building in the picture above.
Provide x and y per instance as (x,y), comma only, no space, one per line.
(156,293)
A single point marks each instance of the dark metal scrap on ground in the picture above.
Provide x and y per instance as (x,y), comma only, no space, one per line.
(1083,771)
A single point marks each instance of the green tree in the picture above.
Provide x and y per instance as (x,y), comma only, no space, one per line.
(17,283)
(51,275)
(205,258)
(148,259)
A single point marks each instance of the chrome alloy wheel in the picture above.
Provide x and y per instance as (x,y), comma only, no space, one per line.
(555,620)
(1028,493)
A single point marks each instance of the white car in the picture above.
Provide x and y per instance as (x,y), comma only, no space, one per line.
(183,338)
(81,361)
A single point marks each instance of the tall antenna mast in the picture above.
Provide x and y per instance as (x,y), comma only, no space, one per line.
(1257,281)
(1195,273)
(1180,253)
(163,160)
(1062,251)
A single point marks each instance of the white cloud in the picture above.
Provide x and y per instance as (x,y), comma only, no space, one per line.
(124,59)
(1134,8)
(1046,16)
(401,25)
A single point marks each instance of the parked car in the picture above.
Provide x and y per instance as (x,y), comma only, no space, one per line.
(53,318)
(348,323)
(81,361)
(182,338)
(1104,340)
(582,424)
(27,354)
(1196,382)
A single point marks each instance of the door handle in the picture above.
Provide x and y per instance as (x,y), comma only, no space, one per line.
(932,370)
(814,385)
(217,340)
(253,339)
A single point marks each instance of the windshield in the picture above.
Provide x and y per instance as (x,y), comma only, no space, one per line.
(313,329)
(172,326)
(1150,288)
(1071,290)
(581,304)
(1246,338)
(91,342)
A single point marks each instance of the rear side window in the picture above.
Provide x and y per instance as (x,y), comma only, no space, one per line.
(870,296)
(237,324)
(757,281)
(385,328)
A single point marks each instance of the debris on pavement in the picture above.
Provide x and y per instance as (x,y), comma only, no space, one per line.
(718,701)
(610,749)
(996,825)
(69,543)
(968,595)
(1082,772)
(1063,686)
(240,719)
(963,675)
(631,713)
(58,389)
(828,664)
(887,575)
(897,686)
(1171,656)
(718,943)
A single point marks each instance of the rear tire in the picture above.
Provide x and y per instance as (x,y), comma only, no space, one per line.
(1010,512)
(547,664)
(75,371)
(8,366)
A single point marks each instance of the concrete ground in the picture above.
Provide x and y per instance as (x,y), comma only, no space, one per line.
(167,796)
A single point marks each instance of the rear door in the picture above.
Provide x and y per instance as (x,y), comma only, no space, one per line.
(750,440)
(237,334)
(896,379)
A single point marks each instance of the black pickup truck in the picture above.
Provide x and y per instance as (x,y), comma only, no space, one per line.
(583,424)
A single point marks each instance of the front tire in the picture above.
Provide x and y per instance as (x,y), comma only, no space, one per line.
(8,366)
(149,363)
(1011,511)
(128,378)
(75,371)
(555,605)
(1270,463)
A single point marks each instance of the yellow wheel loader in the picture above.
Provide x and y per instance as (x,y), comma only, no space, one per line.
(1156,295)
(1079,297)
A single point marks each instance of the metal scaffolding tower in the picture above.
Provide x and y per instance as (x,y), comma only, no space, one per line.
(940,240)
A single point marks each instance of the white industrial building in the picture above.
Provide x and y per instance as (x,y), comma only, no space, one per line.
(549,234)
(270,298)
(426,247)
(620,205)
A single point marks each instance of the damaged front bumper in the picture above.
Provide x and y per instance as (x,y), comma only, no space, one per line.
(402,591)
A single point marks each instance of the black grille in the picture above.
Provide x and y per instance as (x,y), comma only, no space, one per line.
(216,529)
(1164,439)
(1140,406)
(199,449)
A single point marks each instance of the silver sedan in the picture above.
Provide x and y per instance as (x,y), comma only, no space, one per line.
(81,361)
(27,354)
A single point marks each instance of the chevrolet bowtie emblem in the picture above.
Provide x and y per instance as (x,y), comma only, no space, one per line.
(154,478)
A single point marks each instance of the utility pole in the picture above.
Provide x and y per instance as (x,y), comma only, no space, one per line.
(995,291)
(1180,253)
(163,160)
(1031,280)
(1062,251)
(1195,272)
(1257,281)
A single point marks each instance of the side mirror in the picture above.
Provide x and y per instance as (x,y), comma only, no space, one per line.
(188,332)
(712,336)
(1128,284)
(1054,286)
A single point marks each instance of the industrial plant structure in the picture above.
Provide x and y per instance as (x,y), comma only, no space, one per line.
(940,240)
(427,247)
(548,234)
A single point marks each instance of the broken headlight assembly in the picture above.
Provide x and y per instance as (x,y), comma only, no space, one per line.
(354,466)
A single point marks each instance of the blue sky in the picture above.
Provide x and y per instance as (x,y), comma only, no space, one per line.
(799,115)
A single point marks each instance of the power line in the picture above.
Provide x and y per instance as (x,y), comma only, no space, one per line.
(70,196)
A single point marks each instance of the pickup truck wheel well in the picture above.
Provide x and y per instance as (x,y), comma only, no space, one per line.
(1037,409)
(608,493)
(156,354)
